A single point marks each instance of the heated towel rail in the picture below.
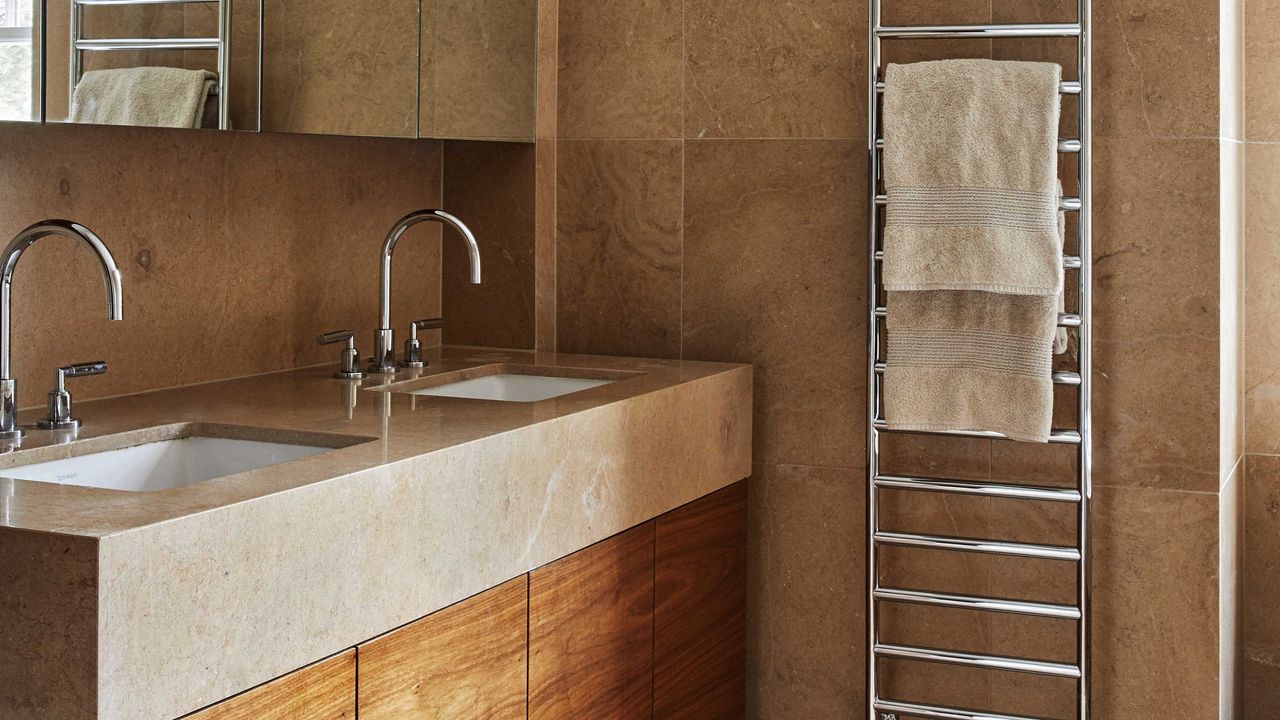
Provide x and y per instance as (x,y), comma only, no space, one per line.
(1076,555)
(221,44)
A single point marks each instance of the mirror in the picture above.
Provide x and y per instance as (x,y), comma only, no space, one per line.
(381,68)
(19,54)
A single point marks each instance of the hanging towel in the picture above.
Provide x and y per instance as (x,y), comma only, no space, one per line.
(961,360)
(972,246)
(971,170)
(146,96)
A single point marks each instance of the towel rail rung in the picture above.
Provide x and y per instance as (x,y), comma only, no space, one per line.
(1009,30)
(975,602)
(990,662)
(1069,262)
(977,487)
(1066,204)
(940,712)
(143,2)
(1066,320)
(108,44)
(978,545)
(1067,87)
(1060,377)
(1065,145)
(1058,437)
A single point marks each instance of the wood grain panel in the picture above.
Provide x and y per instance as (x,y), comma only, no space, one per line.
(323,691)
(465,662)
(700,604)
(591,632)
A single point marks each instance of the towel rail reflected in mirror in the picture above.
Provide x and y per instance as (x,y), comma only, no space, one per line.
(460,69)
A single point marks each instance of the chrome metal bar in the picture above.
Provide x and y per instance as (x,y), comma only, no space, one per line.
(1060,437)
(991,662)
(1069,262)
(224,64)
(978,487)
(939,712)
(873,342)
(1067,87)
(1065,145)
(1031,30)
(1085,339)
(1066,320)
(1066,204)
(1059,378)
(77,67)
(976,545)
(974,602)
(147,44)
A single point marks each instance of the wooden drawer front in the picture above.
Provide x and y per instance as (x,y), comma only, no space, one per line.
(700,609)
(591,632)
(323,691)
(465,662)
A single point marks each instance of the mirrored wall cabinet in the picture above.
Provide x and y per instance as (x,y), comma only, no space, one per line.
(392,68)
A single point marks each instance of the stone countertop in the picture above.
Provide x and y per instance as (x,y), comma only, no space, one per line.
(141,605)
(368,428)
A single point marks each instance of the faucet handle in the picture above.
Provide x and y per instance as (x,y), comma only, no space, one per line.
(60,417)
(350,369)
(413,346)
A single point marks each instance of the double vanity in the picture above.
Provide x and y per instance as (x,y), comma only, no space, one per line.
(193,544)
(514,526)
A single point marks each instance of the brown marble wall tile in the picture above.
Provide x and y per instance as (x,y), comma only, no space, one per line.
(618,249)
(1262,299)
(1156,313)
(236,249)
(544,281)
(620,66)
(1155,604)
(806,593)
(370,86)
(771,278)
(1261,69)
(737,84)
(490,185)
(478,63)
(1155,68)
(1260,620)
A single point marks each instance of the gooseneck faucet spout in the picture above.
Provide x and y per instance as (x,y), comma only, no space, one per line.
(384,356)
(9,429)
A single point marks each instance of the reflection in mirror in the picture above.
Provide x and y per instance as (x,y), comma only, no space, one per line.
(19,51)
(155,63)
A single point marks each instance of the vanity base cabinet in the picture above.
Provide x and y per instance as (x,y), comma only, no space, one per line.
(465,661)
(648,624)
(323,691)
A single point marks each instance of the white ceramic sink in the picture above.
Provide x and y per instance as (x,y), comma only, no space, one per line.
(512,387)
(162,465)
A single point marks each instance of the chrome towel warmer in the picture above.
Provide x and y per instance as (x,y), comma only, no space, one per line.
(890,709)
(221,43)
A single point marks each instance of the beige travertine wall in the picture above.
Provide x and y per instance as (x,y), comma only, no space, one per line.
(236,249)
(706,176)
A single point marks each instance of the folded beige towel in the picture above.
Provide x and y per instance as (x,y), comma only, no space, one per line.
(971,170)
(146,96)
(962,360)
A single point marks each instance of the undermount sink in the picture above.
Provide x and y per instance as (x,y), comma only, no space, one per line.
(509,382)
(512,388)
(167,463)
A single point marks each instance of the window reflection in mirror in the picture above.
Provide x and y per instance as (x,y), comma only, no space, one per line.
(19,72)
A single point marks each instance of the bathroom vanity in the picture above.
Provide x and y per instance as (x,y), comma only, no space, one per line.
(499,534)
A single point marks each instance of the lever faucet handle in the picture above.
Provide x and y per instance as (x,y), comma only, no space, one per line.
(350,369)
(413,346)
(59,416)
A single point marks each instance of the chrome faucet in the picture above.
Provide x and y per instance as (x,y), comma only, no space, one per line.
(384,355)
(9,429)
